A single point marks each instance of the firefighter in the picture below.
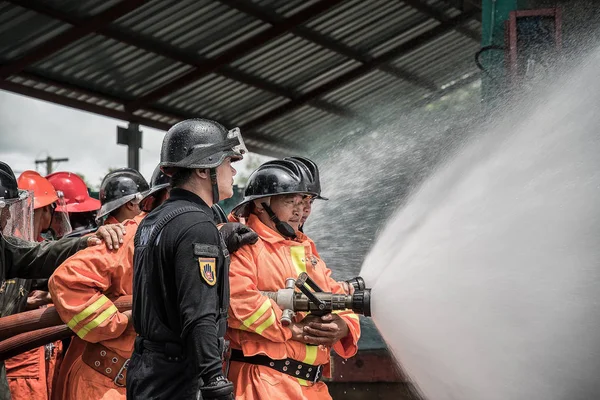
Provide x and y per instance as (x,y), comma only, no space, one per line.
(180,285)
(121,192)
(80,205)
(270,360)
(83,289)
(313,184)
(24,259)
(31,373)
(160,187)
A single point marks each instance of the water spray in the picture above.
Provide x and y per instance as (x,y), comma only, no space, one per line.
(318,302)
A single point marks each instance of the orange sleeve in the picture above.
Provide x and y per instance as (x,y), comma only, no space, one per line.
(77,288)
(249,310)
(347,346)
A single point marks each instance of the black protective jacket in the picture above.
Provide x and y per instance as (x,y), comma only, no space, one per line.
(31,260)
(28,260)
(180,300)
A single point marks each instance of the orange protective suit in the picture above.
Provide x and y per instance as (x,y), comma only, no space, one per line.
(83,289)
(31,374)
(254,319)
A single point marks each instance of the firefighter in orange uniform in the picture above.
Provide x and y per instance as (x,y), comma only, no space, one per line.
(31,373)
(314,185)
(121,192)
(84,288)
(270,360)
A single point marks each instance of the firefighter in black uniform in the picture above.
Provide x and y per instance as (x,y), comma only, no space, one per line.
(181,266)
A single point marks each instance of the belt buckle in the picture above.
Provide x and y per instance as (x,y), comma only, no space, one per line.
(318,374)
(120,375)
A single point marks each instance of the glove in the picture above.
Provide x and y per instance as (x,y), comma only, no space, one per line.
(218,388)
(235,235)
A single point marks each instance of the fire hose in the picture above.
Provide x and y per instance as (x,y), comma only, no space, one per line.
(317,301)
(28,330)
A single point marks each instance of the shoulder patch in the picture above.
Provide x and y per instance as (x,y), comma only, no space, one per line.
(206,250)
(208,270)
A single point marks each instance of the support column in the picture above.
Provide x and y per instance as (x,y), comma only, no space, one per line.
(132,137)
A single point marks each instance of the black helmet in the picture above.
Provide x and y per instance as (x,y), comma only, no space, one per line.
(200,143)
(8,186)
(159,181)
(314,184)
(119,187)
(274,178)
(6,168)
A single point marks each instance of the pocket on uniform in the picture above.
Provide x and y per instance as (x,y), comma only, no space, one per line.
(269,375)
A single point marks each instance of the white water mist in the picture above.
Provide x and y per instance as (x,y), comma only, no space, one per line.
(486,284)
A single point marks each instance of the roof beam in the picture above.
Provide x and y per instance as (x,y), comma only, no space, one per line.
(234,53)
(440,16)
(182,57)
(71,35)
(360,71)
(271,17)
(119,114)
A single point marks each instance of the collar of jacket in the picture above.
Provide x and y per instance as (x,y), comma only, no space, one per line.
(110,220)
(182,194)
(269,235)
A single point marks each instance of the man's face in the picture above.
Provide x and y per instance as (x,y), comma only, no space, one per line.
(288,208)
(4,217)
(225,174)
(42,217)
(307,202)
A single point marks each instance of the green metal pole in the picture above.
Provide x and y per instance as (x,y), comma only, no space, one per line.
(493,16)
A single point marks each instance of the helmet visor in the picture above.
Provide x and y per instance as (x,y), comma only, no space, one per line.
(60,225)
(154,196)
(234,136)
(106,209)
(16,216)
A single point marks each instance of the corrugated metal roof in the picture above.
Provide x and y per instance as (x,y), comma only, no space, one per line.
(442,59)
(362,25)
(218,97)
(117,67)
(81,8)
(22,30)
(321,74)
(298,61)
(375,87)
(205,27)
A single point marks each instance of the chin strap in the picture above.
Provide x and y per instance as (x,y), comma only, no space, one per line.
(282,227)
(215,185)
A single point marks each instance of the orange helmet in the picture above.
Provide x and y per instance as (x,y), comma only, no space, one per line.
(44,193)
(76,194)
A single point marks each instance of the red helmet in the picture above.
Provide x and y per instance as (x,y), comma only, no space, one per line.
(75,191)
(44,193)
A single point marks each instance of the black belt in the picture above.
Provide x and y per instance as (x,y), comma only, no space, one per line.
(287,366)
(173,351)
